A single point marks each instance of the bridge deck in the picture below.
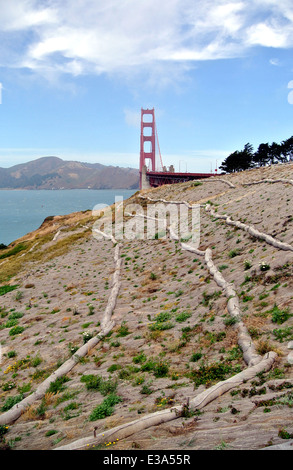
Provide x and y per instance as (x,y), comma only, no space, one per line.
(159,178)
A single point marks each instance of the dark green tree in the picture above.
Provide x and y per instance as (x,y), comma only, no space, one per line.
(265,154)
(274,153)
(239,160)
(261,156)
(287,149)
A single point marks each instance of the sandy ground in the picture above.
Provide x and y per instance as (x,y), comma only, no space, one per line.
(64,279)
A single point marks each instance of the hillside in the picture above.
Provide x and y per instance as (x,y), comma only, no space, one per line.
(154,343)
(55,173)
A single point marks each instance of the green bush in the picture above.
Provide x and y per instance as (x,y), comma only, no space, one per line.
(161,369)
(11,323)
(163,316)
(284,334)
(234,253)
(123,331)
(114,367)
(207,297)
(146,390)
(215,372)
(149,365)
(16,330)
(41,410)
(106,408)
(50,432)
(11,401)
(3,430)
(15,315)
(5,289)
(183,316)
(195,357)
(107,386)
(140,358)
(161,322)
(161,326)
(11,354)
(58,384)
(279,316)
(16,249)
(229,320)
(92,382)
(96,382)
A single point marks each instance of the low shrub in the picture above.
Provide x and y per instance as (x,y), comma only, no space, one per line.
(7,288)
(215,372)
(279,316)
(16,330)
(106,408)
(58,384)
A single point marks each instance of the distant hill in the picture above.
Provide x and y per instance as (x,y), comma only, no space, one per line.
(55,173)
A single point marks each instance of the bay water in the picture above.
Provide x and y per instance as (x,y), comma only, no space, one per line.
(22,211)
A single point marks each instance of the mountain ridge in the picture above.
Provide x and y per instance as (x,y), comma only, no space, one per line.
(54,173)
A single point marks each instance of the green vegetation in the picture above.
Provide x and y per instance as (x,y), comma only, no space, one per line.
(208,297)
(123,330)
(279,316)
(3,430)
(16,249)
(106,408)
(234,253)
(283,334)
(51,432)
(284,434)
(196,357)
(58,384)
(212,373)
(99,384)
(7,288)
(162,322)
(11,401)
(266,154)
(229,320)
(140,358)
(16,330)
(183,316)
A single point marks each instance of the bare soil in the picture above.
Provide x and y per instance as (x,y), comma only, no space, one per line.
(171,331)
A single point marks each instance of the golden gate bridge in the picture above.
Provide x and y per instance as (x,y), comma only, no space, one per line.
(152,172)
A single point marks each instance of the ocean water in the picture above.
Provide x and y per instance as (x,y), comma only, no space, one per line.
(22,211)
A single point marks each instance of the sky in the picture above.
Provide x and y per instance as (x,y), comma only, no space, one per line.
(74,75)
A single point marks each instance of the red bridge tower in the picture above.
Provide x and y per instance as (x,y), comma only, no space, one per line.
(149,175)
(147,140)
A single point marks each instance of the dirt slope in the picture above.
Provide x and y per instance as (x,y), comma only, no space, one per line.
(173,337)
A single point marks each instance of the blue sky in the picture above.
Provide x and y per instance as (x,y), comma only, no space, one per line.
(75,74)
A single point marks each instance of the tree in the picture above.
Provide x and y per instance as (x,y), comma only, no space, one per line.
(239,160)
(265,154)
(274,153)
(261,156)
(287,149)
(230,164)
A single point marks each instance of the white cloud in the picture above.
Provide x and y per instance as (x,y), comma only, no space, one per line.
(19,15)
(276,62)
(128,37)
(268,36)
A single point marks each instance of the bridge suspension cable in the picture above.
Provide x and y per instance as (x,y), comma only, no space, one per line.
(157,142)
